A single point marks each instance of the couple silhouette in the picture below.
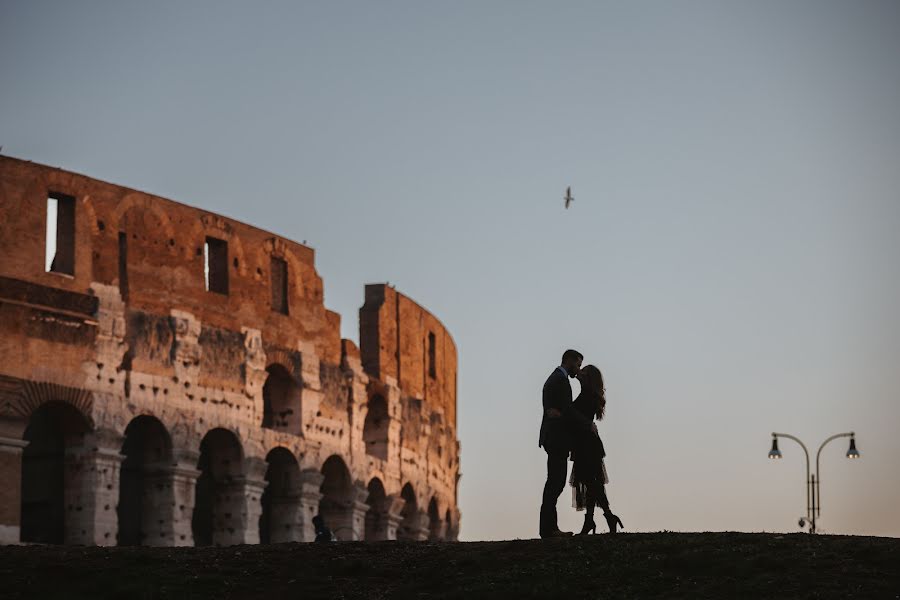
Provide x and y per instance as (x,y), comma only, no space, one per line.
(568,428)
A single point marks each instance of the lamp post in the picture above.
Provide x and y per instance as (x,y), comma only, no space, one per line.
(813,482)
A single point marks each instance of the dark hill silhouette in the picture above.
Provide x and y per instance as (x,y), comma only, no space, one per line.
(658,565)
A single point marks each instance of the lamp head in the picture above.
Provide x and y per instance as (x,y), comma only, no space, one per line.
(852,452)
(774,452)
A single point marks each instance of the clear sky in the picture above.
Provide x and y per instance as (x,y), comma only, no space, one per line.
(730,262)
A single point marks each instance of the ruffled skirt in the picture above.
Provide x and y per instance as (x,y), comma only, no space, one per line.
(580,484)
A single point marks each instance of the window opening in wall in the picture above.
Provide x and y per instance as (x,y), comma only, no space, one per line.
(60,244)
(279,274)
(123,265)
(215,265)
(432,369)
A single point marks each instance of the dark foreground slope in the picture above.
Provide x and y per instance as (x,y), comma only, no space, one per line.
(666,565)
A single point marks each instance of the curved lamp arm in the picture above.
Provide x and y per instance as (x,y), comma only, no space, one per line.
(818,477)
(806,452)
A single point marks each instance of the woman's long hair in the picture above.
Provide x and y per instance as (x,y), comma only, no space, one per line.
(592,383)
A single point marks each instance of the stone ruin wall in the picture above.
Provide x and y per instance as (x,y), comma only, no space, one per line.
(139,407)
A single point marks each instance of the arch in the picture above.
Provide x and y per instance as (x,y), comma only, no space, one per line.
(435,525)
(281,400)
(31,395)
(337,495)
(408,516)
(137,201)
(376,516)
(52,428)
(376,427)
(143,479)
(221,462)
(278,522)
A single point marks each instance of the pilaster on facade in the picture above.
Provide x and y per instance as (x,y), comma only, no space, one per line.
(10,492)
(187,351)
(358,382)
(254,367)
(91,491)
(311,388)
(105,373)
(391,516)
(310,497)
(184,475)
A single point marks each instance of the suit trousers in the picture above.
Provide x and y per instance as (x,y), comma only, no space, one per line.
(556,482)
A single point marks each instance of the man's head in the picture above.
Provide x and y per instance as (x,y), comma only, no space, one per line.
(571,362)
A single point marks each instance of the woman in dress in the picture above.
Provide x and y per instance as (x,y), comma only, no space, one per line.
(588,472)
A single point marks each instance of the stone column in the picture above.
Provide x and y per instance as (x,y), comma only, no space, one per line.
(310,496)
(417,528)
(168,505)
(348,521)
(91,494)
(285,523)
(10,489)
(184,476)
(388,519)
(237,506)
(453,526)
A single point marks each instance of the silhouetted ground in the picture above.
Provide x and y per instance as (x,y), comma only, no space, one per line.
(657,565)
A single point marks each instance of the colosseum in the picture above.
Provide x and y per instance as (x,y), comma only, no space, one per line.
(171,377)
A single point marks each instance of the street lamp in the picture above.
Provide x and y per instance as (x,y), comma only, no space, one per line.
(813,492)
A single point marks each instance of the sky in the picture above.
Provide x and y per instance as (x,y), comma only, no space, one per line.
(729,262)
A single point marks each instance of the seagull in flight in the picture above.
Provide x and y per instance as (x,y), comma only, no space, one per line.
(569,198)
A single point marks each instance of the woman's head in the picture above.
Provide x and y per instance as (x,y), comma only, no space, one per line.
(592,381)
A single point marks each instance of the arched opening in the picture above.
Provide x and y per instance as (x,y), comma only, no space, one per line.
(52,428)
(408,525)
(337,491)
(142,481)
(435,527)
(278,521)
(376,526)
(215,518)
(281,400)
(375,428)
(448,529)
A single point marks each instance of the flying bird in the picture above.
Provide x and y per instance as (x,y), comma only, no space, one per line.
(569,198)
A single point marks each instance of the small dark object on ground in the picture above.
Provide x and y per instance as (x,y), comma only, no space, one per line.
(323,534)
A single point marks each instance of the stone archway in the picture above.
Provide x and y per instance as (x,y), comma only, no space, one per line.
(436,527)
(54,429)
(280,520)
(377,515)
(342,506)
(281,400)
(413,523)
(224,506)
(145,485)
(375,428)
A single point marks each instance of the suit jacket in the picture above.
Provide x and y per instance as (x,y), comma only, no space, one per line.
(556,432)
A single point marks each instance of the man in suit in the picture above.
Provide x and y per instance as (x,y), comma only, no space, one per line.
(555,438)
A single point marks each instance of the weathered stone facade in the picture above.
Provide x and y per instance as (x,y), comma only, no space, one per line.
(171,377)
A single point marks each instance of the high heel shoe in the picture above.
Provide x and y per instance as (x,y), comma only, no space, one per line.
(589,525)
